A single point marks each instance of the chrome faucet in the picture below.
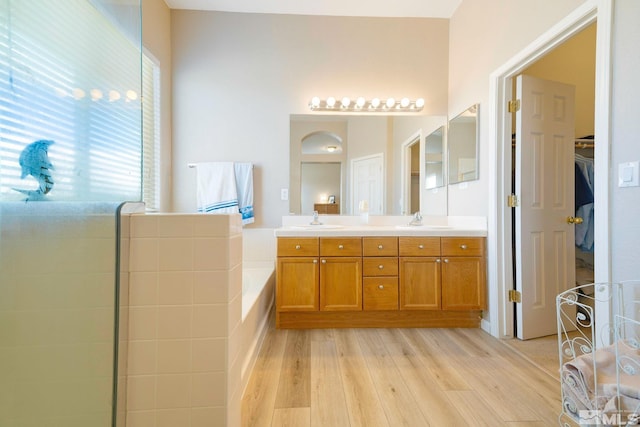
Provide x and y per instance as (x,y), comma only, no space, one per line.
(315,219)
(417,219)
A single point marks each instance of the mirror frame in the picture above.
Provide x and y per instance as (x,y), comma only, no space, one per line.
(454,142)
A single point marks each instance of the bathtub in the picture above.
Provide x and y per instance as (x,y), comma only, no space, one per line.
(258,293)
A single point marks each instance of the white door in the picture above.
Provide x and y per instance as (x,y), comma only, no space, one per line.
(368,183)
(545,175)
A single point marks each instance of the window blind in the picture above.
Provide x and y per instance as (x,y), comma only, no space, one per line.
(69,75)
(150,132)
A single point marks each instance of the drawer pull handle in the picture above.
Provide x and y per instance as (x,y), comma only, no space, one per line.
(438,260)
(446,260)
(380,286)
(298,247)
(315,261)
(379,246)
(420,246)
(463,246)
(381,266)
(324,261)
(340,246)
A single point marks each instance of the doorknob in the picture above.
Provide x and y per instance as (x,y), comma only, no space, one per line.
(576,220)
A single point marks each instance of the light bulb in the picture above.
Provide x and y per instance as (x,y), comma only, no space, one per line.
(96,94)
(360,102)
(390,102)
(132,95)
(331,148)
(114,95)
(331,101)
(375,102)
(78,93)
(346,102)
(419,102)
(404,103)
(315,102)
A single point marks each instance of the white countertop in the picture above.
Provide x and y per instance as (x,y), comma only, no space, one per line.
(339,225)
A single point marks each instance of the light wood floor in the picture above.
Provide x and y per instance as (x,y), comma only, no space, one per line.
(396,377)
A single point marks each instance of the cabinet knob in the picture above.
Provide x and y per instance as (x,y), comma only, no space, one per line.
(381,266)
(438,260)
(446,260)
(380,286)
(420,246)
(463,246)
(324,261)
(340,246)
(298,247)
(315,261)
(379,246)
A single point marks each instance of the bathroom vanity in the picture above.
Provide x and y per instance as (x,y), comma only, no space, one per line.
(381,275)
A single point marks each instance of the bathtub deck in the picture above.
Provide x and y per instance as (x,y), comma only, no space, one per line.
(390,377)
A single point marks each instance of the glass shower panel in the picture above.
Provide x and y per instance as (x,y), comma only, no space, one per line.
(70,153)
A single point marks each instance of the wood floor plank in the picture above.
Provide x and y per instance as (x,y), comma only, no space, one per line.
(291,417)
(473,409)
(398,403)
(259,398)
(363,403)
(435,360)
(506,390)
(434,404)
(328,406)
(294,386)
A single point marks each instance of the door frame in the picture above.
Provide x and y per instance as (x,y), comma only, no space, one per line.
(500,92)
(405,170)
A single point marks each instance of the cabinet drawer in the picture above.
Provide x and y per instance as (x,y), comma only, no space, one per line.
(340,246)
(380,246)
(297,246)
(380,293)
(380,266)
(462,246)
(419,246)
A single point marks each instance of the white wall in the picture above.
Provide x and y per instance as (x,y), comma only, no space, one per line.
(238,77)
(483,36)
(625,147)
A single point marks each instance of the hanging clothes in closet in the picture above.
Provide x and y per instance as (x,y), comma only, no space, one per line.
(584,202)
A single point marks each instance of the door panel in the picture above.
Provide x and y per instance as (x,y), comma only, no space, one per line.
(545,253)
(367,178)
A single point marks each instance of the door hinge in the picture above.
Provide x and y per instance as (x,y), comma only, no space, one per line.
(512,200)
(514,106)
(515,296)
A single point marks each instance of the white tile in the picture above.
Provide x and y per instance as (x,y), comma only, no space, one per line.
(210,321)
(174,356)
(144,254)
(210,287)
(208,389)
(175,254)
(143,288)
(142,358)
(207,225)
(175,288)
(209,354)
(144,226)
(210,254)
(174,322)
(173,391)
(174,225)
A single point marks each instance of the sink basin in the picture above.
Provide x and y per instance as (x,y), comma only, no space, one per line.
(316,227)
(423,227)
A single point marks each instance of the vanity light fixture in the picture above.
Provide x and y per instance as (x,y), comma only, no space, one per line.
(362,105)
(331,148)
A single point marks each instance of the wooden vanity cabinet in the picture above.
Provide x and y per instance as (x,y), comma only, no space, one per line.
(297,274)
(419,273)
(380,273)
(340,274)
(405,281)
(463,273)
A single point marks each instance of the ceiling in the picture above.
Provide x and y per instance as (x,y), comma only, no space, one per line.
(372,8)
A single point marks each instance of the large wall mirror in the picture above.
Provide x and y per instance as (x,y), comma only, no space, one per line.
(434,159)
(345,158)
(462,142)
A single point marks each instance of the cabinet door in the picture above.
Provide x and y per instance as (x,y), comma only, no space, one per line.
(419,283)
(341,284)
(463,283)
(297,284)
